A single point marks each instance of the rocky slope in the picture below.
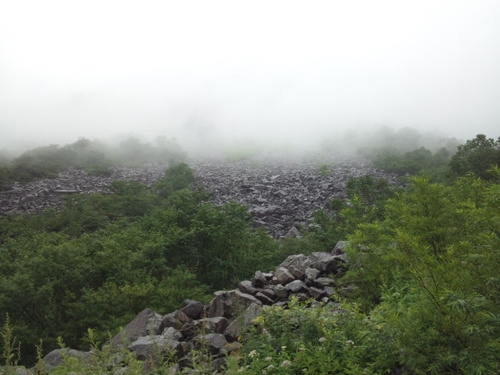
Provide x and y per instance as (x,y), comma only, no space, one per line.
(282,194)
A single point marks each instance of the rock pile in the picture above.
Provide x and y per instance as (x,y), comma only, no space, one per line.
(48,193)
(217,326)
(282,194)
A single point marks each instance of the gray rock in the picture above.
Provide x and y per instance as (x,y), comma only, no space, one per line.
(259,280)
(243,321)
(231,303)
(312,273)
(193,309)
(280,290)
(211,325)
(171,333)
(297,272)
(296,286)
(149,347)
(146,323)
(299,261)
(246,287)
(176,319)
(263,298)
(213,341)
(283,276)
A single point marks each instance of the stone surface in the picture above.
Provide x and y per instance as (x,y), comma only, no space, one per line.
(193,309)
(147,322)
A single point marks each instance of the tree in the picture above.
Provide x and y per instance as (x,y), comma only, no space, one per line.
(477,155)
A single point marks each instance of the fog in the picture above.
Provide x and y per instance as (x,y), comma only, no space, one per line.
(215,74)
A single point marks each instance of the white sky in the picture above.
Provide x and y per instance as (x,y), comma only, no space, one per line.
(212,70)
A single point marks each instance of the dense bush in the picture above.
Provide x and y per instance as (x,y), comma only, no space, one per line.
(93,156)
(366,197)
(427,292)
(414,162)
(120,253)
(478,156)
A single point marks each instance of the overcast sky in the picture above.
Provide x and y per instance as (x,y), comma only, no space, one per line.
(211,70)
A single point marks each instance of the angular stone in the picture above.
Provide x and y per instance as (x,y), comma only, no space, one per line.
(299,260)
(214,341)
(340,247)
(280,291)
(324,262)
(243,321)
(231,303)
(312,273)
(246,287)
(264,299)
(171,333)
(324,281)
(148,347)
(283,276)
(176,319)
(316,293)
(259,280)
(147,322)
(297,272)
(296,286)
(269,293)
(193,309)
(329,291)
(211,325)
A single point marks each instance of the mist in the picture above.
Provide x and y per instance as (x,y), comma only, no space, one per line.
(213,75)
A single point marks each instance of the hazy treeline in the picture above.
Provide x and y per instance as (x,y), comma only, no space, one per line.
(92,155)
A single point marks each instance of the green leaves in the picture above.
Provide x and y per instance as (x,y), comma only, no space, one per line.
(438,247)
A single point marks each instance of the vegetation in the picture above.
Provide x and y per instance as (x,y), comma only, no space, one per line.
(119,254)
(421,294)
(413,162)
(94,157)
(477,155)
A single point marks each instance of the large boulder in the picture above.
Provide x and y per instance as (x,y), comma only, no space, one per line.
(283,276)
(151,347)
(193,309)
(242,322)
(146,323)
(229,304)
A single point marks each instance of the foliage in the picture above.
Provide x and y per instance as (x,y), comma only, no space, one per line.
(94,157)
(121,253)
(477,155)
(365,203)
(303,339)
(429,272)
(177,177)
(414,162)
